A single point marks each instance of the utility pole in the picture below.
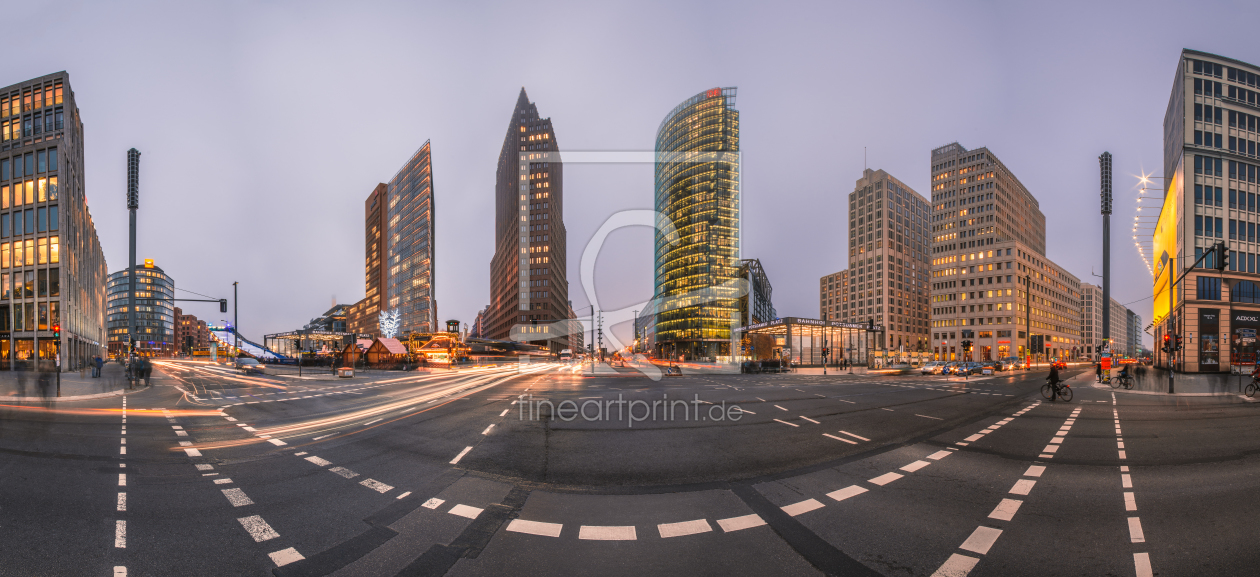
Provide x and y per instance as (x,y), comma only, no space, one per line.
(236,329)
(1104,165)
(133,203)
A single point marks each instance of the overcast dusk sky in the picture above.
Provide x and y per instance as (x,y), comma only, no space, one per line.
(264,125)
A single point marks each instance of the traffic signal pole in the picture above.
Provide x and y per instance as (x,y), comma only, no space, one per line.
(1221,252)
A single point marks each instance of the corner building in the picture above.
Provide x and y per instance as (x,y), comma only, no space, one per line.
(1211,161)
(52,268)
(887,278)
(697,239)
(529,286)
(990,275)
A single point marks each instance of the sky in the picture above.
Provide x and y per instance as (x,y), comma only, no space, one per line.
(264,125)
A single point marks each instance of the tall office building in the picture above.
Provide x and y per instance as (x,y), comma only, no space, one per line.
(529,286)
(52,268)
(989,264)
(697,249)
(155,311)
(399,252)
(362,317)
(407,276)
(1211,161)
(887,278)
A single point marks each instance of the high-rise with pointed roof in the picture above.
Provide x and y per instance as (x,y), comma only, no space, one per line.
(529,288)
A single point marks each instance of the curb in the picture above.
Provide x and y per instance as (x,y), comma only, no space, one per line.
(76,397)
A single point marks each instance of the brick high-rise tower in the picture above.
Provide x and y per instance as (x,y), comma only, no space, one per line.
(528,281)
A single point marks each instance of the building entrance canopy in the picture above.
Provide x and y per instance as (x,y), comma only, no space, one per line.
(801,341)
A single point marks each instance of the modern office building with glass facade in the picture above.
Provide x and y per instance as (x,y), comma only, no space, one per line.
(1211,180)
(155,311)
(52,268)
(697,234)
(409,246)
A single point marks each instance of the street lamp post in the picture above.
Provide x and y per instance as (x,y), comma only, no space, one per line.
(236,329)
(1027,319)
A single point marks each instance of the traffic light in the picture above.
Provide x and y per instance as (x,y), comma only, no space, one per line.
(1168,343)
(222,305)
(1177,342)
(56,331)
(870,324)
(825,351)
(966,345)
(1222,256)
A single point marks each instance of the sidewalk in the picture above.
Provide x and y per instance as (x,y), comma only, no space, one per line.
(25,385)
(1148,381)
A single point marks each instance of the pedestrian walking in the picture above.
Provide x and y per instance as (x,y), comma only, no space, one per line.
(1098,370)
(146,370)
(99,364)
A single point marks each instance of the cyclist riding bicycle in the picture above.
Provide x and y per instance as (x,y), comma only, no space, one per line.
(1124,372)
(1054,381)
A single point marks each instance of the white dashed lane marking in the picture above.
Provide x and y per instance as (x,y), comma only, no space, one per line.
(607,533)
(258,528)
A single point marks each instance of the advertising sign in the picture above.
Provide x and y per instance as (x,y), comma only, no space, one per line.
(1209,339)
(1243,326)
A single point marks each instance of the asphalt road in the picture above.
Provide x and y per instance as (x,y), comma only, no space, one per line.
(543,472)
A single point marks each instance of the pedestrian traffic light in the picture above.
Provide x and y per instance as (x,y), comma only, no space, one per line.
(1222,256)
(222,305)
(825,351)
(56,331)
(1168,343)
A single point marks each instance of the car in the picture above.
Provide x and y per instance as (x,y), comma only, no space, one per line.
(1010,363)
(932,367)
(249,365)
(1058,364)
(988,367)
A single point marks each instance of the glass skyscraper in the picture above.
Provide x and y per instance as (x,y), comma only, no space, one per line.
(409,245)
(697,233)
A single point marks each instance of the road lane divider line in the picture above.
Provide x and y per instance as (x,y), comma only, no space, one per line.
(733,524)
(460,455)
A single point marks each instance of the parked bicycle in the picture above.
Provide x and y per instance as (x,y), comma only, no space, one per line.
(1125,381)
(1059,388)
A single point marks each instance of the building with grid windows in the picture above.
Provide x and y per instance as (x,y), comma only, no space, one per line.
(529,286)
(191,333)
(1211,161)
(52,268)
(1092,327)
(697,241)
(888,269)
(362,317)
(155,311)
(990,274)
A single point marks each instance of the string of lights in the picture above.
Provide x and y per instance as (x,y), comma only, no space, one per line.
(1144,225)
